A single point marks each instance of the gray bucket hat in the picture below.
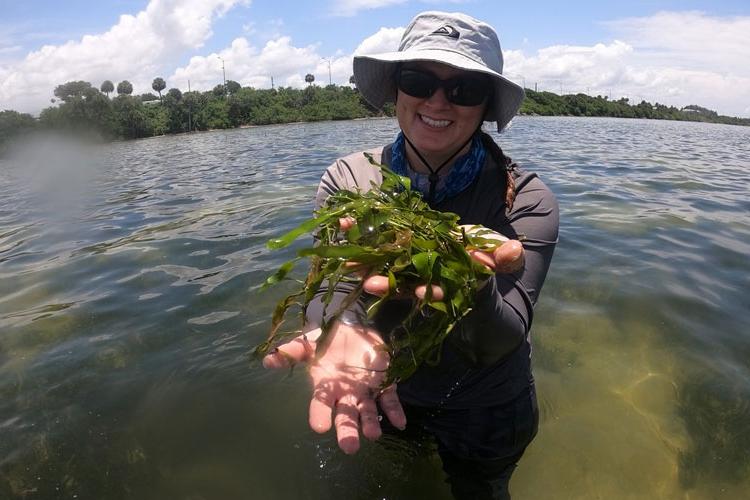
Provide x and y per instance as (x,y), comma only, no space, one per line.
(454,39)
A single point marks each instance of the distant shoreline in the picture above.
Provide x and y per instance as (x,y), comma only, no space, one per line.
(85,110)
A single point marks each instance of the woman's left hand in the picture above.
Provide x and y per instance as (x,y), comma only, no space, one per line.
(507,258)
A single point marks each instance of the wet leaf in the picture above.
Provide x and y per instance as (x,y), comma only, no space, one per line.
(398,235)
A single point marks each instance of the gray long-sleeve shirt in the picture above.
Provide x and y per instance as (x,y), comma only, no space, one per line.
(487,359)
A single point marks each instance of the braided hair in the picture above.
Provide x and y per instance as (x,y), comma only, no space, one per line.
(505,163)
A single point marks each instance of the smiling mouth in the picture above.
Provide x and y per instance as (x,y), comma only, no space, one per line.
(430,122)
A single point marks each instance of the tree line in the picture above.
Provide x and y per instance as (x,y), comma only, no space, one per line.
(81,108)
(550,104)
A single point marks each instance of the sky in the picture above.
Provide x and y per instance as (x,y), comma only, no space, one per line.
(672,52)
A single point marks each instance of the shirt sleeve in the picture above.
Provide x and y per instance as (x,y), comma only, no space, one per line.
(503,311)
(352,173)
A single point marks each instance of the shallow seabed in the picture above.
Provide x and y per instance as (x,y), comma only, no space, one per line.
(129,302)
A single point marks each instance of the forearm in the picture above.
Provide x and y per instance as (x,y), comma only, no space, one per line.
(503,311)
(497,324)
(327,303)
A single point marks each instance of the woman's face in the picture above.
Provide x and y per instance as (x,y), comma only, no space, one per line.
(435,126)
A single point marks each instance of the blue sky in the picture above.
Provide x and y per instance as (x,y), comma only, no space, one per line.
(686,52)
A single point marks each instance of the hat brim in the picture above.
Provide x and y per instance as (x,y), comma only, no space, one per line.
(374,75)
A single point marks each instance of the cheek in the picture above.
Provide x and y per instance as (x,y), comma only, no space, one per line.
(405,110)
(472,118)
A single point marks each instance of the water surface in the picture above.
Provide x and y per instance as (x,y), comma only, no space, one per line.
(129,300)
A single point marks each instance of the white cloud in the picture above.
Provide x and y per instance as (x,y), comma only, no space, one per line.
(279,58)
(690,39)
(136,49)
(249,66)
(10,49)
(675,58)
(348,8)
(385,40)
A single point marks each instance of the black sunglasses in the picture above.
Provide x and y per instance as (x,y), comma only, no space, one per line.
(464,90)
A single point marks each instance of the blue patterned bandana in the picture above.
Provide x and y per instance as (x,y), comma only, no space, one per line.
(465,170)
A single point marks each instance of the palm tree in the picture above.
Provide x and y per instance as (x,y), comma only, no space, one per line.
(158,85)
(309,78)
(107,87)
(125,87)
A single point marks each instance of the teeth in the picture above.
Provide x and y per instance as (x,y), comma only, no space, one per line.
(435,123)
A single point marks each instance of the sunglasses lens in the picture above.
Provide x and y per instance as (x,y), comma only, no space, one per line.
(467,91)
(463,91)
(416,83)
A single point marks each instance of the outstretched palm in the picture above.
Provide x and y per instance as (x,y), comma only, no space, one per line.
(347,380)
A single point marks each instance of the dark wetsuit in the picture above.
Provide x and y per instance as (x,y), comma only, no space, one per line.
(479,400)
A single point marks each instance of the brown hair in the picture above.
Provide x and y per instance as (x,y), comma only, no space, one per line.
(505,163)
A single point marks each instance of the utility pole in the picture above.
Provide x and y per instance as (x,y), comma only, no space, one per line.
(223,73)
(534,86)
(271,82)
(190,121)
(330,81)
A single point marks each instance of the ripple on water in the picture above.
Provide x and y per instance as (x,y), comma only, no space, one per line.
(127,311)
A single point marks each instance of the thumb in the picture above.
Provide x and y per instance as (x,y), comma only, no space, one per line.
(509,257)
(295,351)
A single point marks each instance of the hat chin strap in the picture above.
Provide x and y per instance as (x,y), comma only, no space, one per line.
(434,177)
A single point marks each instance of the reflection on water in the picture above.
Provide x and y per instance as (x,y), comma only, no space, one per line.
(129,279)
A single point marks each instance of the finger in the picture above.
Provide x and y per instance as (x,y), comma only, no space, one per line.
(509,257)
(346,223)
(321,409)
(437,292)
(368,416)
(483,258)
(347,426)
(295,351)
(392,408)
(357,268)
(376,285)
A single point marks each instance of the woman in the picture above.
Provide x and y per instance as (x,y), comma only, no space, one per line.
(479,401)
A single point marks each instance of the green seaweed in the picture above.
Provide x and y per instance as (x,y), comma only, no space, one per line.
(395,234)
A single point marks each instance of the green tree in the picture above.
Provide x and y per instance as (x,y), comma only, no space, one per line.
(72,90)
(158,85)
(309,78)
(232,87)
(130,117)
(212,115)
(157,118)
(125,87)
(107,87)
(177,111)
(175,94)
(14,124)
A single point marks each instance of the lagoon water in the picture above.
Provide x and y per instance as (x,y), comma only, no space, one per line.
(129,301)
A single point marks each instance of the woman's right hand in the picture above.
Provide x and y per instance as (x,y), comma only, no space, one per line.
(347,379)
